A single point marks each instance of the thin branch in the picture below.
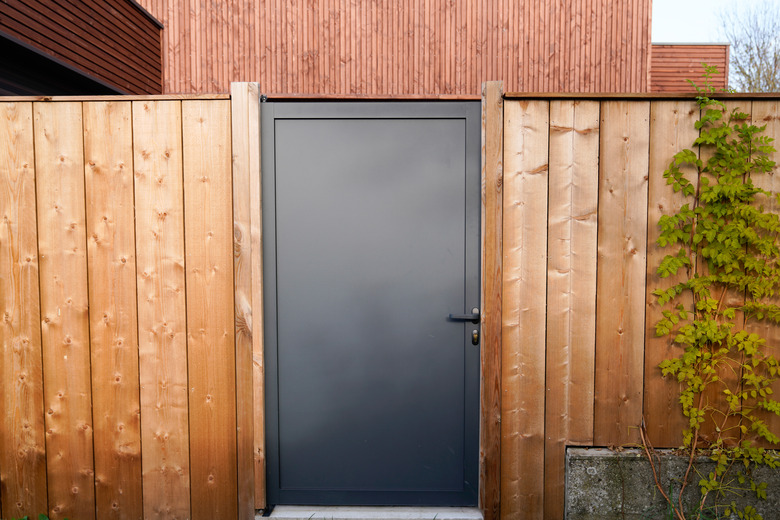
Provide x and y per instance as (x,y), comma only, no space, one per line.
(647,447)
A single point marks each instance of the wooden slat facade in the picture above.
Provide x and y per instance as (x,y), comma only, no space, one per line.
(671,65)
(392,48)
(113,41)
(99,423)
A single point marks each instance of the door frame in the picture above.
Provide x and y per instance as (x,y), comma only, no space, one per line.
(247,214)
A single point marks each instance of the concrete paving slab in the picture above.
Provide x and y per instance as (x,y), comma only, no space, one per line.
(374,513)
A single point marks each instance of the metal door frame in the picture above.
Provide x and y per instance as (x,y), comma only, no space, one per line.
(468,110)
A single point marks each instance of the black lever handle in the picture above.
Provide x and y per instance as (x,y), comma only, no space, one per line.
(473,317)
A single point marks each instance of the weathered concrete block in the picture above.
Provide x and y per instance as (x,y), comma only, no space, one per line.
(618,485)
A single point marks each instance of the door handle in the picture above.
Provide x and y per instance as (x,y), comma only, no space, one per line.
(473,317)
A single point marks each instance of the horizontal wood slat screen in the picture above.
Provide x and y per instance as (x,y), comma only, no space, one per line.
(404,47)
(672,65)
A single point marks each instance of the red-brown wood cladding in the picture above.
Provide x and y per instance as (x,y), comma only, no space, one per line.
(672,65)
(111,40)
(404,47)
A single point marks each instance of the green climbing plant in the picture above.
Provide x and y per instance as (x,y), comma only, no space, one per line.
(723,243)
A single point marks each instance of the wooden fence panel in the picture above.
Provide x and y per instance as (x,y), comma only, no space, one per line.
(59,166)
(108,171)
(671,130)
(162,313)
(621,271)
(524,292)
(210,321)
(22,451)
(571,288)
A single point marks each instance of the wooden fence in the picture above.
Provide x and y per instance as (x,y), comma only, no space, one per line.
(579,359)
(127,376)
(131,371)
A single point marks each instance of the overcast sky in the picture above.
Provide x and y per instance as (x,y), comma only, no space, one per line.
(691,21)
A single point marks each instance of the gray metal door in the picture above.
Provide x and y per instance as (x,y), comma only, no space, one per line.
(371,239)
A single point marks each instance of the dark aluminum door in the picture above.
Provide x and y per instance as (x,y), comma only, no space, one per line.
(371,239)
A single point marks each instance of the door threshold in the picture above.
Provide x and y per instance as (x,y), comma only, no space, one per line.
(374,513)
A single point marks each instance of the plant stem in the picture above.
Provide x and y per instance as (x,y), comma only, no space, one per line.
(647,447)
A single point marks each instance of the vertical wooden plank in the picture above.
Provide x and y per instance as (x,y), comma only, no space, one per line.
(245,98)
(108,167)
(768,113)
(59,167)
(523,311)
(729,374)
(571,288)
(622,247)
(671,130)
(162,342)
(210,319)
(492,222)
(22,442)
(258,363)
